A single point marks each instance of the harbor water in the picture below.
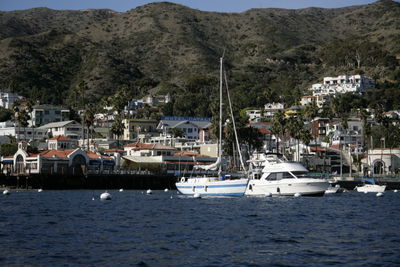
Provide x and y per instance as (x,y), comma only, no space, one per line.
(53,228)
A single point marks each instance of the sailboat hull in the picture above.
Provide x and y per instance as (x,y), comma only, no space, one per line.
(212,186)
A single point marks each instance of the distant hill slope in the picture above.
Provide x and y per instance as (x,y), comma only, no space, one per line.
(45,54)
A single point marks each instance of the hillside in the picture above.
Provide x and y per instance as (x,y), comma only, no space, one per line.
(272,54)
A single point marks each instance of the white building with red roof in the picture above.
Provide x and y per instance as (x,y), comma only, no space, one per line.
(55,161)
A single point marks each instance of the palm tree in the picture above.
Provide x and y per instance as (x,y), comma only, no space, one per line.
(310,111)
(118,128)
(22,120)
(278,127)
(88,120)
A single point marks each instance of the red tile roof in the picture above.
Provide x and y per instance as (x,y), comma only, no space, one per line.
(142,146)
(55,153)
(188,154)
(60,138)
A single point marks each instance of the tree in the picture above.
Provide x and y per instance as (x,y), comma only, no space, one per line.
(176,132)
(8,149)
(120,100)
(88,120)
(278,127)
(310,111)
(117,128)
(5,114)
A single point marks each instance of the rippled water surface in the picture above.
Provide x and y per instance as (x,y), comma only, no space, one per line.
(55,228)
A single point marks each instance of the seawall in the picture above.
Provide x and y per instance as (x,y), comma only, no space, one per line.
(91,181)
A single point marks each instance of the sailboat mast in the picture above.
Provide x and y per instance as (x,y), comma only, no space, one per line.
(220,116)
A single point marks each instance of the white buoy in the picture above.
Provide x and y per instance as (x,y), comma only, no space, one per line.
(365,192)
(297,195)
(92,198)
(196,195)
(149,192)
(6,192)
(268,194)
(166,190)
(379,194)
(171,197)
(121,190)
(40,190)
(105,196)
(395,191)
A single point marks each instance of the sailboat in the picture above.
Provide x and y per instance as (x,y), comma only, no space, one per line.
(220,185)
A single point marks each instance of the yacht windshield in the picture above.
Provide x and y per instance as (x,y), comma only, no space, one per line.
(301,174)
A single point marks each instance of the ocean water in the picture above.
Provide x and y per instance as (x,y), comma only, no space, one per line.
(68,228)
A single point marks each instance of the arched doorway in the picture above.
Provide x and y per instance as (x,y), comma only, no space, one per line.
(78,165)
(379,167)
(19,165)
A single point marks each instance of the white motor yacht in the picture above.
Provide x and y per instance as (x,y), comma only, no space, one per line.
(274,175)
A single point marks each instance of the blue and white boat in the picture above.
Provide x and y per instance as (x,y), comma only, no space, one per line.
(212,186)
(220,185)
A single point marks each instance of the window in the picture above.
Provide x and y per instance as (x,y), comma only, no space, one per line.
(190,130)
(279,176)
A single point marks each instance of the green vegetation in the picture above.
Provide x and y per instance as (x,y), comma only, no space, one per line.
(272,55)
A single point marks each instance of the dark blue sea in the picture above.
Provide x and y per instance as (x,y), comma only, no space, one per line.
(68,228)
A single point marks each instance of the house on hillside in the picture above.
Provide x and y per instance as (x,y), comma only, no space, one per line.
(70,129)
(319,100)
(8,99)
(271,108)
(134,127)
(43,114)
(192,127)
(9,128)
(343,84)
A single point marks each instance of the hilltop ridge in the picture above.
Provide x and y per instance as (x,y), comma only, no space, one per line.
(46,53)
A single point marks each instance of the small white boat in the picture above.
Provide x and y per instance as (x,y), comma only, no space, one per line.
(6,192)
(274,174)
(334,189)
(369,186)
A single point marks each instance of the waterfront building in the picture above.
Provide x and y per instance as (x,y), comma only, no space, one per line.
(380,161)
(342,84)
(177,163)
(146,150)
(61,142)
(55,161)
(43,114)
